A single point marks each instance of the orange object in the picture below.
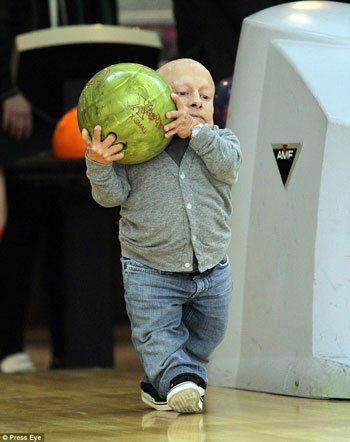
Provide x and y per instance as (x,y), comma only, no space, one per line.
(67,141)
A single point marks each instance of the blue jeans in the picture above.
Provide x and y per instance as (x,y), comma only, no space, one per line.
(177,319)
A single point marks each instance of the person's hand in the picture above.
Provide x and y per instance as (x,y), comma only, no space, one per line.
(183,122)
(17,117)
(105,151)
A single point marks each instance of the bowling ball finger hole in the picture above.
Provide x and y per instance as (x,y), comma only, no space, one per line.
(112,133)
(125,146)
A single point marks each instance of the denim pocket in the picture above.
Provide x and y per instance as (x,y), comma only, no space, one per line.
(131,265)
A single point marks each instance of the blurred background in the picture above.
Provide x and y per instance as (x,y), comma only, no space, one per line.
(62,302)
(156,16)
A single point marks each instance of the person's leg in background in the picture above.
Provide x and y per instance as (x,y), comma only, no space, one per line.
(18,250)
(208,31)
(28,206)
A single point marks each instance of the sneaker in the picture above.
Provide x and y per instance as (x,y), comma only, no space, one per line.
(150,396)
(17,363)
(186,394)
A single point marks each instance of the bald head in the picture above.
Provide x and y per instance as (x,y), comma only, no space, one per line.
(193,83)
(175,69)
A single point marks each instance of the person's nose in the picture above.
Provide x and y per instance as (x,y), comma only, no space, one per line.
(196,100)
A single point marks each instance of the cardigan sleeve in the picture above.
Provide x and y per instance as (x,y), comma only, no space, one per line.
(220,151)
(109,183)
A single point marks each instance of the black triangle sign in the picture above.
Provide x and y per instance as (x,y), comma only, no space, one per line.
(286,156)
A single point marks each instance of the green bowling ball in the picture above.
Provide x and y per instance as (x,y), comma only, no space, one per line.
(129,100)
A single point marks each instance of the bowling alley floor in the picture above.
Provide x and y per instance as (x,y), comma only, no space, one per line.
(104,405)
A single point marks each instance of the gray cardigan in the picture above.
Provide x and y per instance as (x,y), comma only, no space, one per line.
(172,214)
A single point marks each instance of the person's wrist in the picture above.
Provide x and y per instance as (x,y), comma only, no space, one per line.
(196,129)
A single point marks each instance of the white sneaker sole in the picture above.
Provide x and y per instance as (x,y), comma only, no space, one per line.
(17,363)
(148,400)
(186,398)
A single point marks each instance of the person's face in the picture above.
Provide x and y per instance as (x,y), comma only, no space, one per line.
(195,87)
